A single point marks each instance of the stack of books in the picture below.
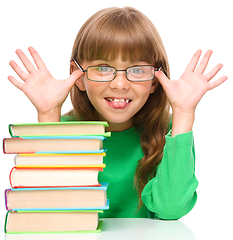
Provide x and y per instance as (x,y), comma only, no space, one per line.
(54,182)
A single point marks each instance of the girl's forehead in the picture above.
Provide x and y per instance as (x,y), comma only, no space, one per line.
(114,57)
(117,61)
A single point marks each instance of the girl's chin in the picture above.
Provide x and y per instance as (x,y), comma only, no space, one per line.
(117,123)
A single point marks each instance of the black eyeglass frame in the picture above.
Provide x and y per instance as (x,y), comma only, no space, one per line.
(116,70)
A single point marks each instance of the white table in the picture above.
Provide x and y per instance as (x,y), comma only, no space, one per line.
(122,228)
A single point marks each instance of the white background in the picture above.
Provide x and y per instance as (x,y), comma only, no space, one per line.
(185,26)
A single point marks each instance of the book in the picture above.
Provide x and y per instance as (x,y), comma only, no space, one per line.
(52,221)
(55,187)
(74,198)
(52,160)
(59,144)
(53,177)
(58,128)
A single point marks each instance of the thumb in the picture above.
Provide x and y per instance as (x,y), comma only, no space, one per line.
(74,76)
(162,78)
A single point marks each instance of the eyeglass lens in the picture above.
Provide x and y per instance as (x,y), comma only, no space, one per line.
(106,73)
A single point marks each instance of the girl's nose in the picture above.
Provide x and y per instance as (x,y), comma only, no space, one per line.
(120,82)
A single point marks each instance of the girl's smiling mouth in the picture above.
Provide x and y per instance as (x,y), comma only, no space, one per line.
(118,103)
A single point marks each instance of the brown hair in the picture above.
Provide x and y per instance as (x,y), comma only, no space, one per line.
(128,32)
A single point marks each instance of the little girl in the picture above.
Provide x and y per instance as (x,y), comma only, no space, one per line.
(120,74)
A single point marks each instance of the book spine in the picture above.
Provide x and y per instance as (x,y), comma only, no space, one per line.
(6,220)
(6,191)
(10,176)
(4,146)
(10,130)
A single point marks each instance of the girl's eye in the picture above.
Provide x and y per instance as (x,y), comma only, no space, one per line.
(104,69)
(136,70)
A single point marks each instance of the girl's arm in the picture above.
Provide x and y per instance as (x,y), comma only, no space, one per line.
(172,193)
(45,92)
(185,93)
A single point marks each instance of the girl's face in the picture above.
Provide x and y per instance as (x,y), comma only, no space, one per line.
(119,100)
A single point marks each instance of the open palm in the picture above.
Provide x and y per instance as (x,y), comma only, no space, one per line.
(44,91)
(185,93)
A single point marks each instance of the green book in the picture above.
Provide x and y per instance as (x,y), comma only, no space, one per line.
(79,128)
(73,221)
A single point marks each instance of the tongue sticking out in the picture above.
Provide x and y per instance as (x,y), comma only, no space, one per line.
(118,104)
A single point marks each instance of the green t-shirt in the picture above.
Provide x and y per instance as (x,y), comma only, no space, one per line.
(170,195)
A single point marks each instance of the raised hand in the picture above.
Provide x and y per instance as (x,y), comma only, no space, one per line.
(45,92)
(185,93)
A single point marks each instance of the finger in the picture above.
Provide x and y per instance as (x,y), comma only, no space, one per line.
(15,82)
(74,77)
(218,82)
(26,62)
(204,62)
(162,78)
(18,70)
(213,72)
(193,63)
(36,57)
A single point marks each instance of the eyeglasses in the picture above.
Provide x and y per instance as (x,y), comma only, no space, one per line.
(104,73)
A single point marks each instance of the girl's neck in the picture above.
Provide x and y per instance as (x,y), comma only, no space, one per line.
(118,127)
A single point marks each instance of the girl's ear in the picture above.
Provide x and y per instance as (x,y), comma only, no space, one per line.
(79,83)
(154,85)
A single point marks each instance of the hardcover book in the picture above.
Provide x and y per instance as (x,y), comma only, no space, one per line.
(60,144)
(52,160)
(52,221)
(56,177)
(58,128)
(57,198)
